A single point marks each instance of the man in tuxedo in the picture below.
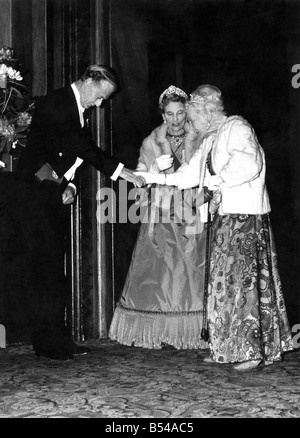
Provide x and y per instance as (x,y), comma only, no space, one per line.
(57,145)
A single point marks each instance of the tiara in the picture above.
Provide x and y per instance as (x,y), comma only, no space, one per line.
(201,99)
(172,90)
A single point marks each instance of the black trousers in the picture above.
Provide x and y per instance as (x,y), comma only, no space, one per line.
(13,302)
(43,223)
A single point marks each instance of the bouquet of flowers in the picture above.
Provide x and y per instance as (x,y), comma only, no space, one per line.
(15,105)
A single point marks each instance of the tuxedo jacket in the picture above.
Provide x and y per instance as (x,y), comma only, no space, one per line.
(56,137)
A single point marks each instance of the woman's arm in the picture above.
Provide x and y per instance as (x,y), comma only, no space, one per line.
(245,155)
(186,176)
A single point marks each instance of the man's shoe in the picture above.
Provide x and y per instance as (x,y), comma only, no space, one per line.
(54,354)
(78,350)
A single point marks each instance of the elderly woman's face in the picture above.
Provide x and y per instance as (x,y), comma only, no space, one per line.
(197,116)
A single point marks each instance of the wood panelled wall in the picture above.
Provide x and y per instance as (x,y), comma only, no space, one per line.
(55,40)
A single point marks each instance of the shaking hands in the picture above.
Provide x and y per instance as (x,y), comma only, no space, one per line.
(152,178)
(161,163)
(133,177)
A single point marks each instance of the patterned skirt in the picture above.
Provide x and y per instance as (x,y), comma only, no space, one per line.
(247,317)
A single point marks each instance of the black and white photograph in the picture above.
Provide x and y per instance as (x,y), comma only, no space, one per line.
(149,211)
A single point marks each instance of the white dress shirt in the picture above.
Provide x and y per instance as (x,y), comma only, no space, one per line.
(69,175)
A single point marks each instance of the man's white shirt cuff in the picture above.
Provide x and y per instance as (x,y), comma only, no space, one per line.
(73,185)
(117,172)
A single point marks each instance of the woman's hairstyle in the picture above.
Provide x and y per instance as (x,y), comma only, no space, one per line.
(100,73)
(171,94)
(209,96)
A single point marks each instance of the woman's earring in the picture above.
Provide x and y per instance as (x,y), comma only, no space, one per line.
(165,121)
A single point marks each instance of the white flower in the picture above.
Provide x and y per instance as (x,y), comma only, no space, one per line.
(24,119)
(11,72)
(6,129)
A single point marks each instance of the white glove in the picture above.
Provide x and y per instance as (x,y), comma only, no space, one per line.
(163,162)
(214,182)
(2,164)
(152,178)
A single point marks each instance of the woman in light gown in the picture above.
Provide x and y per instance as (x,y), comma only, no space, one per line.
(247,320)
(162,301)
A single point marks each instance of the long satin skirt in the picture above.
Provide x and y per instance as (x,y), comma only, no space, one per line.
(162,300)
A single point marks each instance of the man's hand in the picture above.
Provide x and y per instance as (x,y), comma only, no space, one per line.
(68,195)
(153,178)
(128,175)
(2,164)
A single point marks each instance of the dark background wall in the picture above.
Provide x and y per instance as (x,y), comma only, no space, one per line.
(247,49)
